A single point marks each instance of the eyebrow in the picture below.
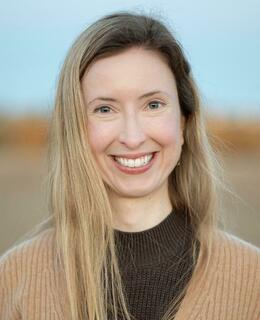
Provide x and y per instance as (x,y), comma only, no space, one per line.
(148,94)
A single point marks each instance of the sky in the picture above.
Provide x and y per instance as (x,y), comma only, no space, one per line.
(221,40)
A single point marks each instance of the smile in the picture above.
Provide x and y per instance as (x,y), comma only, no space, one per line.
(134,163)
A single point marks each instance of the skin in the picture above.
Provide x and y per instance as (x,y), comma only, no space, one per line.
(131,125)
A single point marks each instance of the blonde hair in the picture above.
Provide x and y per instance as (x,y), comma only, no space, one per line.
(79,204)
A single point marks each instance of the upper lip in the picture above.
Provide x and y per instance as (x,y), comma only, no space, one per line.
(133,156)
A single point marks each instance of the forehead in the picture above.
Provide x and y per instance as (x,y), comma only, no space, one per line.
(134,69)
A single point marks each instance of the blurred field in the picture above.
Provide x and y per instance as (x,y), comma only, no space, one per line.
(23,172)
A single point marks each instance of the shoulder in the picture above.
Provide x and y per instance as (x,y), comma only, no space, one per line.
(25,271)
(227,283)
(34,250)
(32,256)
(237,262)
(237,246)
(236,252)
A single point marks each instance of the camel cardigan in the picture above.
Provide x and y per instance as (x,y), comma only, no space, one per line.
(31,286)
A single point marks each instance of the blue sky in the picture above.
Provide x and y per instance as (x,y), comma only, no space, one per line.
(221,40)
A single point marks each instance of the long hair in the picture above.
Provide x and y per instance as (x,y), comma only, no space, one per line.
(79,204)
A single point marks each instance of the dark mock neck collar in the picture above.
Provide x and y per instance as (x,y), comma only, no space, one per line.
(167,240)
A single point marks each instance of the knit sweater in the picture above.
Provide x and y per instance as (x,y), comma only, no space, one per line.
(155,265)
(31,286)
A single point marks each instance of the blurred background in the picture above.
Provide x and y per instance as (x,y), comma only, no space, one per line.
(222,42)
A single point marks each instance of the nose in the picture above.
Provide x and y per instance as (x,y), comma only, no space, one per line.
(132,134)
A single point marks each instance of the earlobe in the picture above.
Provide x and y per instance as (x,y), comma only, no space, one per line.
(183,122)
(182,139)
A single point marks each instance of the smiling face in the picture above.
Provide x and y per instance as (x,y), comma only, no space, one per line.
(133,110)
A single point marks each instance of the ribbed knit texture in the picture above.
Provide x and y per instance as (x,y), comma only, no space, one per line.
(31,287)
(155,265)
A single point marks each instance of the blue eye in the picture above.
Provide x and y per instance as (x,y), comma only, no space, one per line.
(155,104)
(102,108)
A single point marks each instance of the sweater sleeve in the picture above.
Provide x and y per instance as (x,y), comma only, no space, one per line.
(30,284)
(242,274)
(10,290)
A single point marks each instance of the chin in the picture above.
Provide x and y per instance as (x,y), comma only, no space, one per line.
(133,193)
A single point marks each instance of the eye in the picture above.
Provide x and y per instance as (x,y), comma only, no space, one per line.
(155,104)
(104,108)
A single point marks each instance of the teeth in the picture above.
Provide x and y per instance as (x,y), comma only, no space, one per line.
(134,163)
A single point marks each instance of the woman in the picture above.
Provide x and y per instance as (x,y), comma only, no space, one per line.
(133,229)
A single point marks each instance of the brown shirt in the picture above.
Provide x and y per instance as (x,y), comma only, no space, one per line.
(155,265)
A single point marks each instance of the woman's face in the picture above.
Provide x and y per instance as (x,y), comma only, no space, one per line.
(133,111)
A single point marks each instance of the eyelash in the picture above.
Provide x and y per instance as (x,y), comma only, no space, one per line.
(154,101)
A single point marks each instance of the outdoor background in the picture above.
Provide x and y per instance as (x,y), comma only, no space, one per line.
(221,40)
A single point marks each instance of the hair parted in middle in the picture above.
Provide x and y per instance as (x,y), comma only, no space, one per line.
(79,202)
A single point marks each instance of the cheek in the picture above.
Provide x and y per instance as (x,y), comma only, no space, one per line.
(168,132)
(99,136)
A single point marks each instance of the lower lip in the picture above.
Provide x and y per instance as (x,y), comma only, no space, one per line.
(136,170)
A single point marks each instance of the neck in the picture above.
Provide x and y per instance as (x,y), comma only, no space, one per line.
(140,213)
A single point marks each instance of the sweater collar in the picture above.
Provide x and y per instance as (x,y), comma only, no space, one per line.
(167,240)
